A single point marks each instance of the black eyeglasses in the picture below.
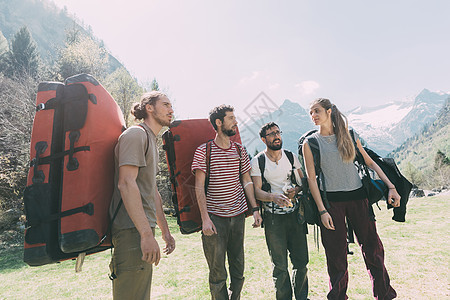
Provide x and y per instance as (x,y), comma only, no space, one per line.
(274,133)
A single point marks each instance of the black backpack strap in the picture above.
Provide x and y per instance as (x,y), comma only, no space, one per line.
(239,150)
(262,166)
(208,164)
(148,139)
(314,146)
(290,157)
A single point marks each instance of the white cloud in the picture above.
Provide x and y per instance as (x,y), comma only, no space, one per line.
(308,87)
(245,80)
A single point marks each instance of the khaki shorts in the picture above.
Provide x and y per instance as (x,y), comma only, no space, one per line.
(132,276)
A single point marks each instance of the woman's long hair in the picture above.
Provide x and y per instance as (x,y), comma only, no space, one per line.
(340,126)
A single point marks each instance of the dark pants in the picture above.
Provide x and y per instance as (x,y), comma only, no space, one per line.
(228,241)
(335,244)
(284,233)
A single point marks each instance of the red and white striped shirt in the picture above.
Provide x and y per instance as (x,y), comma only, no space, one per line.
(225,196)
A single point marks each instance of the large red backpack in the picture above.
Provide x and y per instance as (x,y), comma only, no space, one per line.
(180,142)
(71,176)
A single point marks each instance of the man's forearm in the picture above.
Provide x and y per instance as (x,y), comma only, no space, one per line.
(263,195)
(201,200)
(160,216)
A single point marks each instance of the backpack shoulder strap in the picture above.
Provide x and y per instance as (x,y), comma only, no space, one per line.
(208,163)
(314,146)
(148,139)
(121,201)
(315,150)
(262,164)
(290,156)
(239,150)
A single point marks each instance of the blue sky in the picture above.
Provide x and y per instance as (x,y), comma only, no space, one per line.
(206,53)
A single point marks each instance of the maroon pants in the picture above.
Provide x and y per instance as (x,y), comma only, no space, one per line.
(335,244)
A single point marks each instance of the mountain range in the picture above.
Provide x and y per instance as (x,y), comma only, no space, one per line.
(384,127)
(421,149)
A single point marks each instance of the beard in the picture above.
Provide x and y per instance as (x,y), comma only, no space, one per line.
(271,146)
(160,120)
(229,132)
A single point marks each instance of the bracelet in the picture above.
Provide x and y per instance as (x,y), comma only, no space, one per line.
(245,185)
(256,208)
(323,212)
(392,188)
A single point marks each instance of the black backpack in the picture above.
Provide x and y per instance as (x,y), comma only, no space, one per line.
(311,212)
(388,166)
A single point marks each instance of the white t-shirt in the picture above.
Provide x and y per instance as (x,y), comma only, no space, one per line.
(277,176)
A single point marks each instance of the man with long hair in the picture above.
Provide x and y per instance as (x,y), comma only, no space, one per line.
(133,228)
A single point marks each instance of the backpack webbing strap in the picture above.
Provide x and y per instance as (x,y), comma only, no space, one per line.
(290,157)
(262,167)
(208,164)
(148,139)
(314,146)
(87,209)
(362,166)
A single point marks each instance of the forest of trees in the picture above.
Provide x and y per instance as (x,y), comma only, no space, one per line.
(21,70)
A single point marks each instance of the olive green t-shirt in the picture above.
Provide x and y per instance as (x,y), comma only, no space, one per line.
(130,150)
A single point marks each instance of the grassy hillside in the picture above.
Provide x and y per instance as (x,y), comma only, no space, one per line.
(417,258)
(421,149)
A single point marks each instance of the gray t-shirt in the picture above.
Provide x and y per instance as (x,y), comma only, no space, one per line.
(339,176)
(130,150)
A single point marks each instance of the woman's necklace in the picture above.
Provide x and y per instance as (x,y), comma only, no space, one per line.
(274,159)
(329,138)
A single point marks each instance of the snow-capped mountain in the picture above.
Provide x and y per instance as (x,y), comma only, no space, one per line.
(384,127)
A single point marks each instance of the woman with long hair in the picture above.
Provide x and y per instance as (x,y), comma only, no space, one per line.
(347,200)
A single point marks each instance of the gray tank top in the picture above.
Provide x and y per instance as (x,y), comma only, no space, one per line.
(339,176)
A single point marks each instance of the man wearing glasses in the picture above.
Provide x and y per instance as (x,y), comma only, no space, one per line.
(275,173)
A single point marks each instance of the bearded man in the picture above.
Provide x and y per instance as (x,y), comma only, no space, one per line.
(221,179)
(133,228)
(276,175)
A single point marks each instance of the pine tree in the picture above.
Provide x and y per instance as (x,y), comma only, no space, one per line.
(23,56)
(154,85)
(440,160)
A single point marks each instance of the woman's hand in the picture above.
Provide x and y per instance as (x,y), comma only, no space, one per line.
(393,198)
(327,221)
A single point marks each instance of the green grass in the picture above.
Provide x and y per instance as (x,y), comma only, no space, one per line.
(417,258)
